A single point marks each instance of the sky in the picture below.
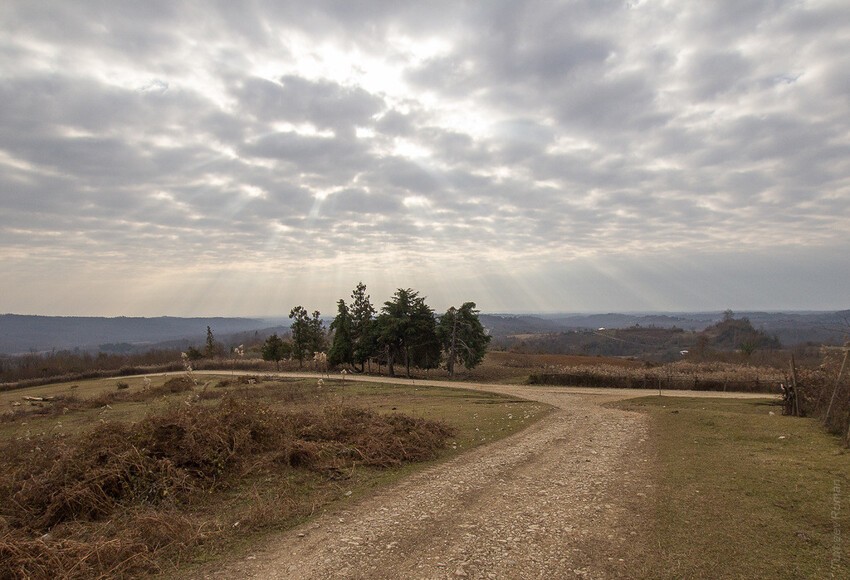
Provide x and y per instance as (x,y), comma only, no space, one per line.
(240,158)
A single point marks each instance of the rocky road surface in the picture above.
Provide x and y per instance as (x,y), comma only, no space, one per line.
(564,498)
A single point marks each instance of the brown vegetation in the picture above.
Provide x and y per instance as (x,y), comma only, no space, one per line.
(680,375)
(39,369)
(124,497)
(824,392)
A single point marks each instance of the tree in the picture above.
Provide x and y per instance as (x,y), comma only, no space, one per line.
(406,330)
(316,339)
(308,334)
(364,338)
(739,333)
(211,347)
(462,337)
(194,354)
(300,333)
(274,348)
(342,348)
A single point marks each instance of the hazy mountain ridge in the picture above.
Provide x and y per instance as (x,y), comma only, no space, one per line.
(790,328)
(24,333)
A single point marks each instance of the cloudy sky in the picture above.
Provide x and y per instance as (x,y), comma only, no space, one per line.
(226,158)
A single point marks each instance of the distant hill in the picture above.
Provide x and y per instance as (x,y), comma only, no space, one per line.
(506,324)
(614,320)
(23,333)
(802,327)
(790,328)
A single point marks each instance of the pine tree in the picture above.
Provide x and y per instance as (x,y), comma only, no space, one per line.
(342,348)
(406,330)
(462,337)
(363,336)
(211,348)
(300,333)
(274,348)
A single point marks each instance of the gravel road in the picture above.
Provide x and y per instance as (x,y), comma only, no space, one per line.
(563,498)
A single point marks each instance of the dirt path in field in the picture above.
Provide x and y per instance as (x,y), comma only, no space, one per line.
(563,498)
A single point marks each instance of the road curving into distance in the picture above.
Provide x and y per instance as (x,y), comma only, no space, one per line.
(563,498)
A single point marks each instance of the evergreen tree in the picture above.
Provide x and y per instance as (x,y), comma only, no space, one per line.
(363,335)
(407,332)
(342,348)
(316,340)
(462,337)
(274,348)
(211,347)
(301,341)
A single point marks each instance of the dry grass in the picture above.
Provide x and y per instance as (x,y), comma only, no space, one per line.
(134,481)
(514,367)
(62,404)
(75,489)
(528,360)
(712,376)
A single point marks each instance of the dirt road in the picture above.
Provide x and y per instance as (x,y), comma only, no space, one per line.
(562,499)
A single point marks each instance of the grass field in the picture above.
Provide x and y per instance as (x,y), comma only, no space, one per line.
(265,497)
(744,492)
(741,491)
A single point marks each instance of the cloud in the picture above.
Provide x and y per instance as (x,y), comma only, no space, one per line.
(450,144)
(322,104)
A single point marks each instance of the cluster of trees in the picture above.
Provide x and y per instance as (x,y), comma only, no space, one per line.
(737,334)
(406,331)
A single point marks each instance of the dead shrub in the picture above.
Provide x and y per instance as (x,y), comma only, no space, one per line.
(175,385)
(373,439)
(140,541)
(679,375)
(113,499)
(825,394)
(25,558)
(264,509)
(86,479)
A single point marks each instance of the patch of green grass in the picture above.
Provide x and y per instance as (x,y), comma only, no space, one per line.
(480,417)
(743,492)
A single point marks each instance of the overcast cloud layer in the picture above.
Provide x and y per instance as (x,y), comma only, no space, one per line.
(211,158)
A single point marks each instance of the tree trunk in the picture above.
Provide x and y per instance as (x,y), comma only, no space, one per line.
(452,349)
(407,361)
